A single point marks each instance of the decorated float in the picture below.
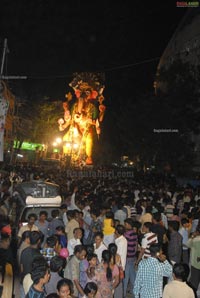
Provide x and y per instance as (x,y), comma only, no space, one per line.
(83,114)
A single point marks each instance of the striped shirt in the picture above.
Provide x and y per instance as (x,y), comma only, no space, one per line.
(147,240)
(132,241)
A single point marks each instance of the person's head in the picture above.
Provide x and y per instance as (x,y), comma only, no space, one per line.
(181,271)
(116,222)
(77,233)
(119,231)
(52,241)
(156,217)
(149,209)
(184,222)
(106,258)
(35,238)
(98,238)
(40,273)
(109,214)
(63,208)
(57,263)
(60,230)
(38,260)
(32,218)
(55,213)
(94,213)
(128,224)
(155,249)
(80,252)
(173,225)
(5,228)
(147,227)
(89,248)
(70,214)
(112,247)
(65,288)
(120,205)
(90,289)
(43,215)
(25,237)
(4,241)
(80,215)
(92,259)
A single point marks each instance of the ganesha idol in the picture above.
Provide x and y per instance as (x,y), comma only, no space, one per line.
(83,119)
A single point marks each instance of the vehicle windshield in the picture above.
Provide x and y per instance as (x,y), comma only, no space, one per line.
(38,189)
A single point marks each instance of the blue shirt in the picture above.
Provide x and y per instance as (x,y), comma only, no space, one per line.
(33,293)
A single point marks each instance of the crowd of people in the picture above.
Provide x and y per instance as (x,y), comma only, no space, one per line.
(111,237)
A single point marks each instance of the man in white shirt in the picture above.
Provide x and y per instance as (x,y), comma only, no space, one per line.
(99,246)
(178,287)
(74,241)
(121,243)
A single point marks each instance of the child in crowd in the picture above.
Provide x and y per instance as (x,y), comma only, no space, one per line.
(90,290)
(84,264)
(65,288)
(92,260)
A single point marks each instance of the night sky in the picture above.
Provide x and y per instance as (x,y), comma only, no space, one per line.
(49,40)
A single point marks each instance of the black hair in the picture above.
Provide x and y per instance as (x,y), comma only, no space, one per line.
(184,221)
(38,271)
(26,234)
(181,271)
(65,282)
(154,249)
(76,229)
(112,247)
(157,216)
(129,221)
(79,248)
(110,214)
(57,263)
(38,260)
(60,228)
(174,225)
(89,287)
(89,248)
(91,256)
(120,229)
(35,237)
(106,257)
(96,212)
(55,213)
(32,215)
(43,212)
(99,234)
(148,225)
(51,241)
(70,213)
(53,295)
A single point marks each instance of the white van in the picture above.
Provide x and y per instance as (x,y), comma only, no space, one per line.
(38,196)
